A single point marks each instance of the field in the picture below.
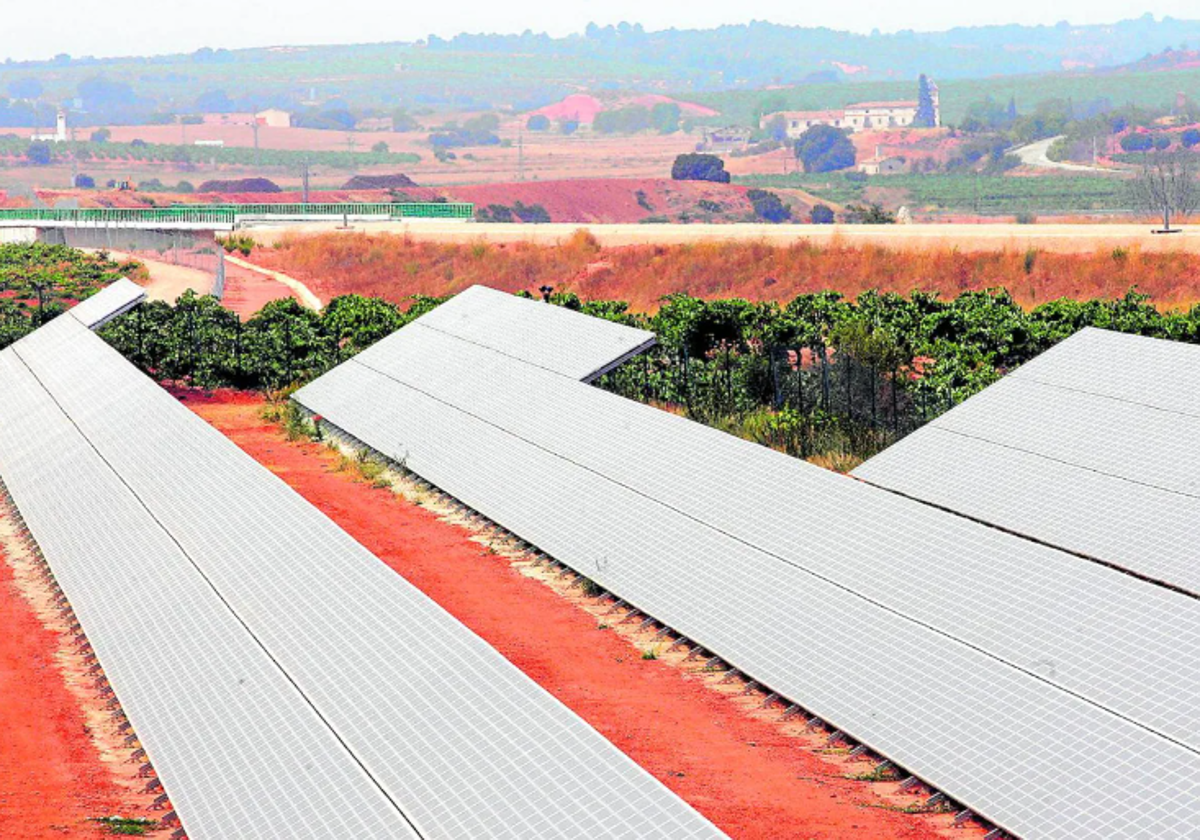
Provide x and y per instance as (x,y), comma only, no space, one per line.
(966,193)
(531,156)
(758,262)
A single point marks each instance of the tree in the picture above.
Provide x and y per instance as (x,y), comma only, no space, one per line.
(404,121)
(101,135)
(39,154)
(538,122)
(1190,138)
(926,116)
(380,148)
(699,167)
(824,148)
(85,182)
(777,128)
(767,205)
(665,117)
(568,126)
(869,214)
(26,87)
(1137,142)
(1167,185)
(820,215)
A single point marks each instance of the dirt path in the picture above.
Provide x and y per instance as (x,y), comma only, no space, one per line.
(295,288)
(53,778)
(752,775)
(247,291)
(1060,238)
(169,281)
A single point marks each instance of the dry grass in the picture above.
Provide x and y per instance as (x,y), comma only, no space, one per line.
(394,266)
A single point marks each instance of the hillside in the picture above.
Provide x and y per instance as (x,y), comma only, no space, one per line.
(525,72)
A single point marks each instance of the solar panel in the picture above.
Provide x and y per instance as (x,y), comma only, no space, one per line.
(106,304)
(240,750)
(548,336)
(460,740)
(803,579)
(1102,431)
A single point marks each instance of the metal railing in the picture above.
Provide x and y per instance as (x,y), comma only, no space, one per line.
(427,210)
(113,216)
(232,214)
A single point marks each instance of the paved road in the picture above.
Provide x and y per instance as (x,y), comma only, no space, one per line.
(1035,154)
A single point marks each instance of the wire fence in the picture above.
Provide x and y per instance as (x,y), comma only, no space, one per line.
(802,400)
(190,249)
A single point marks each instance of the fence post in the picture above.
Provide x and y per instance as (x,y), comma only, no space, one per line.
(849,365)
(777,396)
(874,395)
(824,377)
(895,403)
(800,380)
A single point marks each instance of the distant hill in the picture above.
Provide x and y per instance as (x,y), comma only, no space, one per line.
(1167,60)
(329,86)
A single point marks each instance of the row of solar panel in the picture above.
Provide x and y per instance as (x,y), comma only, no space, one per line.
(283,680)
(1093,447)
(1045,668)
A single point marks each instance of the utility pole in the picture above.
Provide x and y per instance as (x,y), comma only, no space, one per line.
(304,183)
(520,155)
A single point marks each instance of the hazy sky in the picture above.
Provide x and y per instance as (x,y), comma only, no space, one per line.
(142,27)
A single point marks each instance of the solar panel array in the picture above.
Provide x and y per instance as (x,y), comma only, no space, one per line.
(550,337)
(1007,674)
(284,681)
(108,303)
(1093,447)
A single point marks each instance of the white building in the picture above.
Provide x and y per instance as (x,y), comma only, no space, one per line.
(274,118)
(60,130)
(861,116)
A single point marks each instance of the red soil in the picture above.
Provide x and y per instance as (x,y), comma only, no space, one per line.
(739,771)
(52,780)
(608,200)
(584,107)
(248,291)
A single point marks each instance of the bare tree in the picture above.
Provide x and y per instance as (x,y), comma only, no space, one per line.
(1167,184)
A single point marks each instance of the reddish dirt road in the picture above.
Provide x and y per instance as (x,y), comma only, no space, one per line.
(247,291)
(741,771)
(52,780)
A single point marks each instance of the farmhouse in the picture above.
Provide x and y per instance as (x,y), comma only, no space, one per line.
(861,116)
(274,118)
(865,116)
(729,138)
(882,164)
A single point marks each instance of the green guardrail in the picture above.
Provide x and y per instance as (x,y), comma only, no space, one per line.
(230,214)
(106,215)
(414,210)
